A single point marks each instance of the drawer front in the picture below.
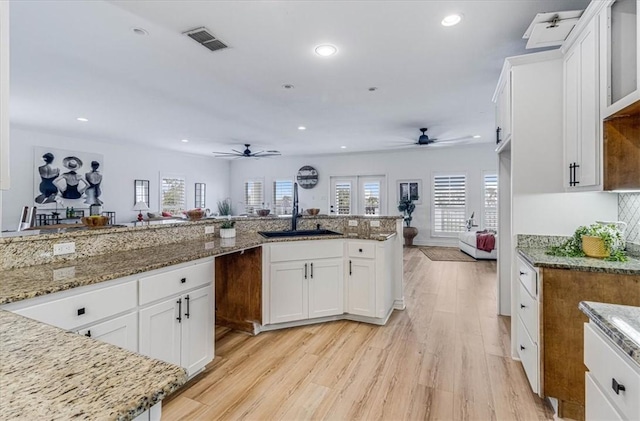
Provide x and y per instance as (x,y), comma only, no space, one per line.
(174,282)
(597,406)
(605,366)
(528,352)
(89,307)
(362,249)
(528,276)
(528,312)
(306,250)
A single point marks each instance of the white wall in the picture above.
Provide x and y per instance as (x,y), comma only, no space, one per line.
(412,163)
(122,164)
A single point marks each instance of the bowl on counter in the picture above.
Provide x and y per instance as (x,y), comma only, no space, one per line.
(194,214)
(313,211)
(263,212)
(95,221)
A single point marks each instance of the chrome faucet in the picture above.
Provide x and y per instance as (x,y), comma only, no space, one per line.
(295,211)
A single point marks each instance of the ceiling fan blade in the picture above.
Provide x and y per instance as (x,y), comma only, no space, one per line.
(236,151)
(224,153)
(457,139)
(262,155)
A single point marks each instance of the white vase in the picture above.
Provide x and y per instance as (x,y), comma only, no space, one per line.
(227,232)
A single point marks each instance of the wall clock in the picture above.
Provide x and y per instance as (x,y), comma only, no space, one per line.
(307,177)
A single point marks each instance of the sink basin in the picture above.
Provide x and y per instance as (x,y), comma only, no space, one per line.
(298,233)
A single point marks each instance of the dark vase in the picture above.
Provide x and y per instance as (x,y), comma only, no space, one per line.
(409,233)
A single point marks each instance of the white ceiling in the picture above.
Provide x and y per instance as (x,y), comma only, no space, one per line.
(81,59)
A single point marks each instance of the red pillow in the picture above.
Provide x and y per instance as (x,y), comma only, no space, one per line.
(166,214)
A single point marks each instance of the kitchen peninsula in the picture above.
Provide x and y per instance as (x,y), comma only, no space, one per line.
(139,288)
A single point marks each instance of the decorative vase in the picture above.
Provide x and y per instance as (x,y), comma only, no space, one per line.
(594,247)
(409,233)
(227,232)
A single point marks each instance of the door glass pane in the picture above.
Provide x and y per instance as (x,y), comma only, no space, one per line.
(343,198)
(283,197)
(371,192)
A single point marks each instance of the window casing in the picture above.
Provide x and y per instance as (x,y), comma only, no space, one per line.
(283,197)
(253,195)
(449,204)
(490,208)
(172,194)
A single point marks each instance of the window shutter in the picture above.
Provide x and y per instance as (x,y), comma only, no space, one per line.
(283,197)
(449,203)
(173,195)
(343,198)
(371,198)
(490,202)
(253,195)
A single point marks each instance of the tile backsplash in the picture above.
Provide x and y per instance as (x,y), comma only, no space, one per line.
(629,212)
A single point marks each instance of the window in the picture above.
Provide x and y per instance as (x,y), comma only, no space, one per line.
(172,197)
(200,194)
(371,191)
(449,204)
(253,195)
(283,197)
(490,217)
(343,198)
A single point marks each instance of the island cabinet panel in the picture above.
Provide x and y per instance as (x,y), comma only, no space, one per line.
(239,289)
(160,332)
(563,370)
(326,292)
(121,331)
(197,331)
(289,291)
(361,287)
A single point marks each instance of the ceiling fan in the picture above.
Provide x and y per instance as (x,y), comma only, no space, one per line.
(246,153)
(425,140)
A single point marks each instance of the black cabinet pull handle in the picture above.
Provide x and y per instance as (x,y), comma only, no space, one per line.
(349,267)
(179,318)
(360,250)
(183,280)
(88,334)
(311,270)
(186,314)
(305,271)
(521,348)
(81,311)
(522,273)
(523,306)
(617,387)
(498,140)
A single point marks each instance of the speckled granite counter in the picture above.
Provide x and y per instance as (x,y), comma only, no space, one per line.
(620,323)
(47,373)
(538,258)
(32,281)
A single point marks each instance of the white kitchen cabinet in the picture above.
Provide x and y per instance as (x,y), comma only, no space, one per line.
(326,287)
(527,327)
(361,287)
(503,111)
(121,331)
(582,123)
(4,95)
(179,330)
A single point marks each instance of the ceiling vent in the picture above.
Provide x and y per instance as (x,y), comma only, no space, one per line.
(205,38)
(551,29)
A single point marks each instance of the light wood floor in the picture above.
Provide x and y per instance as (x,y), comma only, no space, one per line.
(445,357)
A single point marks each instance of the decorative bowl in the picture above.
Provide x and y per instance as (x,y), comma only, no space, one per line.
(95,221)
(194,214)
(313,211)
(263,212)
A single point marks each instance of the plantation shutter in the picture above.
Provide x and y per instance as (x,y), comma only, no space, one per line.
(490,220)
(371,198)
(173,195)
(253,195)
(283,197)
(449,204)
(343,198)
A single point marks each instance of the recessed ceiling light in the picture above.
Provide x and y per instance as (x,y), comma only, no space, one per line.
(184,140)
(326,50)
(84,120)
(302,128)
(477,136)
(140,31)
(288,86)
(451,20)
(343,147)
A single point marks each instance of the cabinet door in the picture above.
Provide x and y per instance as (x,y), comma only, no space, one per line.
(160,331)
(589,171)
(326,287)
(597,406)
(361,287)
(503,109)
(197,329)
(121,331)
(289,292)
(571,112)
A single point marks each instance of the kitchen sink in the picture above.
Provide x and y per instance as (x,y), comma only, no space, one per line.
(297,233)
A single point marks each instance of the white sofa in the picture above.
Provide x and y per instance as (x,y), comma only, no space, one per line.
(467,244)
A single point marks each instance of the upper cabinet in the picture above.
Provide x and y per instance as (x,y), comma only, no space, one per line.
(503,110)
(618,23)
(4,95)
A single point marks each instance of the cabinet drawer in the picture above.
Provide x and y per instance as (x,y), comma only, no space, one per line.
(81,309)
(528,276)
(528,352)
(174,282)
(605,365)
(306,250)
(597,406)
(528,312)
(362,249)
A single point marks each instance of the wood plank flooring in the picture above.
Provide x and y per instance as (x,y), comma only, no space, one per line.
(446,357)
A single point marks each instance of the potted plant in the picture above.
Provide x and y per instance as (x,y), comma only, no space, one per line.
(406,206)
(602,241)
(227,229)
(224,207)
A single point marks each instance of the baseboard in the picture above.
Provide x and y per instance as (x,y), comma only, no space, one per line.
(399,304)
(345,316)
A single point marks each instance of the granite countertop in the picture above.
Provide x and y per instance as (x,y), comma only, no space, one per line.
(538,258)
(32,281)
(48,373)
(618,322)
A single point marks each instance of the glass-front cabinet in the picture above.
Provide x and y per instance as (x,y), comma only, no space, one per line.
(619,56)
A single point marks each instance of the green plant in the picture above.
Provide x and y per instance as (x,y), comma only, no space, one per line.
(609,233)
(224,207)
(406,206)
(228,224)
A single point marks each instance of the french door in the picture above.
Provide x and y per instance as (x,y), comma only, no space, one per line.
(357,195)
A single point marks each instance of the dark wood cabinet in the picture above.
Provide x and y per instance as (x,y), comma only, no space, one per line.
(622,149)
